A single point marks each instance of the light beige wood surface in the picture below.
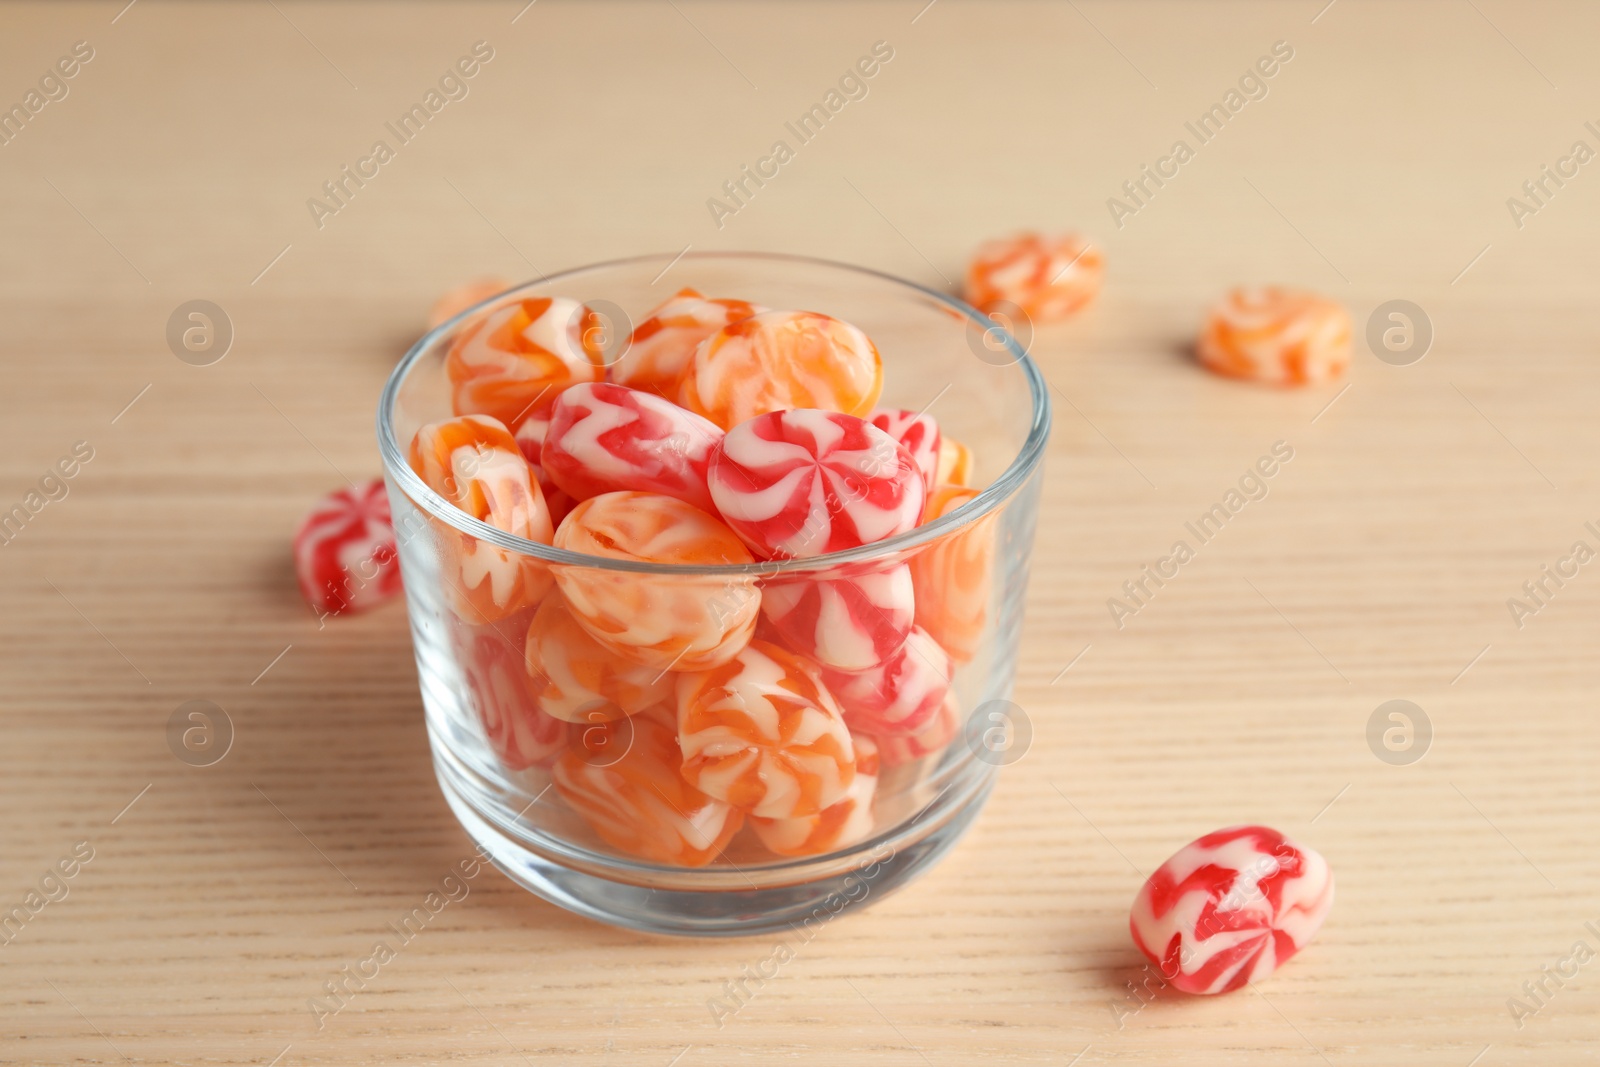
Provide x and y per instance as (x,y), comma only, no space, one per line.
(220,900)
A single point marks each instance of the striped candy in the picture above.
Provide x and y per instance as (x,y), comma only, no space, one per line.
(668,622)
(530,439)
(1230,908)
(839,825)
(895,750)
(660,348)
(952,574)
(576,679)
(1278,336)
(473,462)
(516,359)
(497,689)
(806,482)
(918,434)
(847,623)
(1050,277)
(777,360)
(344,551)
(900,697)
(762,733)
(605,438)
(622,778)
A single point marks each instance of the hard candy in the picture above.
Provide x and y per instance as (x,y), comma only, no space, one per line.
(1230,908)
(897,698)
(955,463)
(763,733)
(344,551)
(850,622)
(807,482)
(605,438)
(839,825)
(498,692)
(1049,277)
(665,621)
(622,778)
(575,678)
(952,575)
(530,439)
(776,360)
(933,738)
(517,358)
(1275,335)
(918,434)
(662,344)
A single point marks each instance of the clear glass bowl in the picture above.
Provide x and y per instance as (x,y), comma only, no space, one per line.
(494,750)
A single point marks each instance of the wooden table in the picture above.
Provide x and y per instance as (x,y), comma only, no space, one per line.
(219,900)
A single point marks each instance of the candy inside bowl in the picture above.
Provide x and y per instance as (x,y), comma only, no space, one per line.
(706,591)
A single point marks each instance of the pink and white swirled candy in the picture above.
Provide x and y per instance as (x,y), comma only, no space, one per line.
(1230,908)
(805,482)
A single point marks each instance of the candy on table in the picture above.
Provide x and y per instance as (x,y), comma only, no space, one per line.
(622,777)
(606,438)
(658,352)
(806,482)
(1274,335)
(763,733)
(664,621)
(897,750)
(951,576)
(850,622)
(575,678)
(839,825)
(777,360)
(897,698)
(516,359)
(918,434)
(1050,277)
(455,301)
(344,551)
(473,462)
(530,439)
(1230,908)
(497,689)
(955,463)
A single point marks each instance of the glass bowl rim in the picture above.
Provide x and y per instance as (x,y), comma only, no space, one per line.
(988,499)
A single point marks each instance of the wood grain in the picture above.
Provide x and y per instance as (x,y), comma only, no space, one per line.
(1376,167)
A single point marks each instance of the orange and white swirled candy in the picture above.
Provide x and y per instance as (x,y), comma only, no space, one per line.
(577,679)
(1048,277)
(839,825)
(955,464)
(1280,336)
(777,360)
(951,576)
(474,463)
(664,621)
(515,359)
(622,778)
(661,345)
(762,733)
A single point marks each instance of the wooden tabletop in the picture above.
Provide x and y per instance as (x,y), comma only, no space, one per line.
(207,907)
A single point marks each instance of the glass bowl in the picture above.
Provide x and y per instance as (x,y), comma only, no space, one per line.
(516,777)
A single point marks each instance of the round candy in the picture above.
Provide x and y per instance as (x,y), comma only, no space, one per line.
(777,360)
(1231,908)
(658,352)
(459,299)
(530,438)
(807,482)
(577,679)
(622,777)
(497,690)
(762,733)
(918,434)
(839,825)
(848,623)
(955,463)
(516,359)
(1276,335)
(896,750)
(475,464)
(898,698)
(952,575)
(605,438)
(665,621)
(1048,277)
(344,551)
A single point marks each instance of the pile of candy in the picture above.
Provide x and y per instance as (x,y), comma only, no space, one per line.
(672,709)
